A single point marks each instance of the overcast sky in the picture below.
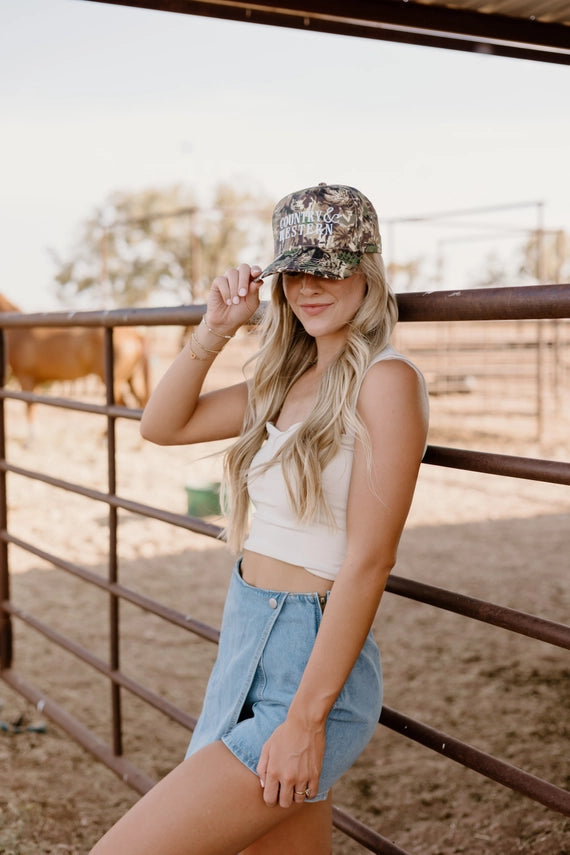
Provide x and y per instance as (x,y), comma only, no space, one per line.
(95,98)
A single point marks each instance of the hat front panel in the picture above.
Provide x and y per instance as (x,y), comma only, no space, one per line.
(312,226)
(323,230)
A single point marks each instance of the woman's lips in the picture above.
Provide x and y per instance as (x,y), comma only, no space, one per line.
(314,308)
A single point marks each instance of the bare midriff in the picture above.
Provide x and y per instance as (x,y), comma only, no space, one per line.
(275,575)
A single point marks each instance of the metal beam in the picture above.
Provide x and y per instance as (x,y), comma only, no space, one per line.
(390,20)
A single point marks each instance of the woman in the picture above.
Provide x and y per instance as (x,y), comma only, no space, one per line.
(332,429)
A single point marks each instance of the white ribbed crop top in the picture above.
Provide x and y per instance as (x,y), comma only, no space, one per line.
(275,530)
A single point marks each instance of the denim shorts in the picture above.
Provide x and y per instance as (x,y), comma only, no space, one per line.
(265,642)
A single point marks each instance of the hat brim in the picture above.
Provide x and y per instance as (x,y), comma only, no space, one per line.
(339,264)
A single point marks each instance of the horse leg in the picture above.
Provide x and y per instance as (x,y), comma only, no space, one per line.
(30,423)
(27,384)
(118,394)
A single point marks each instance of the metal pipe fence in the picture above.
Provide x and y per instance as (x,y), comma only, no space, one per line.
(488,304)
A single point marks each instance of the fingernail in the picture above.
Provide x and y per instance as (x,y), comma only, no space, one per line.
(228,302)
(262,782)
(235,300)
(242,292)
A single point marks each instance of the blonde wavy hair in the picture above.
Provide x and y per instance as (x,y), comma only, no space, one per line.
(286,352)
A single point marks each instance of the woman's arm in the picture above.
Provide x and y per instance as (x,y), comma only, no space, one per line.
(177,413)
(392,407)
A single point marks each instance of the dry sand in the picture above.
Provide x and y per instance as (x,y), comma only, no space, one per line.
(504,540)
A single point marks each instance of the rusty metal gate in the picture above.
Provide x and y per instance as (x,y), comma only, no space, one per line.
(546,301)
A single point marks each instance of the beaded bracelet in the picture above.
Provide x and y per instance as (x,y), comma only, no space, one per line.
(227,337)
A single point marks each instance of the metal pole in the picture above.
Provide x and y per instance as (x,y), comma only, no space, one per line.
(5,617)
(114,635)
(540,392)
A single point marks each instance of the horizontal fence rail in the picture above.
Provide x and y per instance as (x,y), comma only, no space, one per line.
(493,768)
(550,471)
(487,304)
(479,304)
(482,304)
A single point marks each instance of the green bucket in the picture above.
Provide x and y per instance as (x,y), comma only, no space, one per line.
(203,501)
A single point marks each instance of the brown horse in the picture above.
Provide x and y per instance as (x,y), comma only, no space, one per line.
(45,354)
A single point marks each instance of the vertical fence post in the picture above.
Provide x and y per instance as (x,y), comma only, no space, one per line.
(114,632)
(540,331)
(540,381)
(5,618)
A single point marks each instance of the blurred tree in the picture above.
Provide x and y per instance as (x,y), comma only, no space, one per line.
(493,275)
(403,276)
(545,257)
(162,241)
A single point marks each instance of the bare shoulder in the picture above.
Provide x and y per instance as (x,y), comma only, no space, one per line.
(393,394)
(393,376)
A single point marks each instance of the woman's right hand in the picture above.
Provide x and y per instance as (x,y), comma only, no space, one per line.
(233,298)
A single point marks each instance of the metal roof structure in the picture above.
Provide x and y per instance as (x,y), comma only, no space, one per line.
(524,29)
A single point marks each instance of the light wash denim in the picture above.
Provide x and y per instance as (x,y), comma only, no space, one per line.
(266,640)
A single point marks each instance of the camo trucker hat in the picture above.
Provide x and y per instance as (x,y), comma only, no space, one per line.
(323,230)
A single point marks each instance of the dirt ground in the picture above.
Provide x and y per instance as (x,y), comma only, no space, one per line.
(504,540)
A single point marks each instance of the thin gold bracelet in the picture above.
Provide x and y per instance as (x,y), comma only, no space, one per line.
(227,337)
(194,355)
(196,341)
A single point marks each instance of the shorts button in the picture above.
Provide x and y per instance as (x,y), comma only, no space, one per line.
(273,602)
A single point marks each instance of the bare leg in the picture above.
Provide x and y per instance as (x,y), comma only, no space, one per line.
(307,832)
(209,805)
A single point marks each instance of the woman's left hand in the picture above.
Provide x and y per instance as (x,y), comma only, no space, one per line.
(290,764)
